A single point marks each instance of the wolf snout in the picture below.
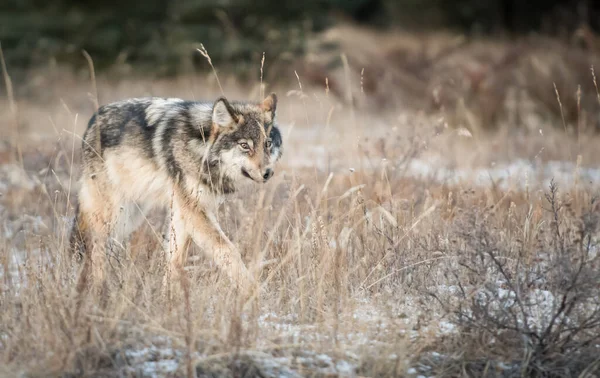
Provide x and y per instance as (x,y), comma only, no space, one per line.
(268,174)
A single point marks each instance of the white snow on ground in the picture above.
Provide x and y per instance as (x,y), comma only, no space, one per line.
(367,326)
(370,328)
(152,361)
(516,174)
(310,151)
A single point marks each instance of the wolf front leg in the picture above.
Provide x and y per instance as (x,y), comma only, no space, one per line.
(204,230)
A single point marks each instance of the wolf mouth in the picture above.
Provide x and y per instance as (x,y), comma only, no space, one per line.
(246,174)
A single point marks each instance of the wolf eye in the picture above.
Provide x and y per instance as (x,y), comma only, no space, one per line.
(245,146)
(268,143)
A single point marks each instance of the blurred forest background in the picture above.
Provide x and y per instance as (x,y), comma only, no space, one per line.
(484,63)
(161,35)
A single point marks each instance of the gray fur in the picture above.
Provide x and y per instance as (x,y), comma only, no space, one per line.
(178,123)
(156,152)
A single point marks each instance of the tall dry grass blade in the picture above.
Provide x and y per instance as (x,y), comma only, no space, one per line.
(189,328)
(562,114)
(98,147)
(90,63)
(560,105)
(349,97)
(202,50)
(262,86)
(13,106)
(329,116)
(579,119)
(577,178)
(595,84)
(362,82)
(8,83)
(327,182)
(67,204)
(303,96)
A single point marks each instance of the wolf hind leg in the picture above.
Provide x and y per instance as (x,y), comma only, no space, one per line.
(96,214)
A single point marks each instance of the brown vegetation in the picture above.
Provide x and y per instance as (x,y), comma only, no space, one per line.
(366,269)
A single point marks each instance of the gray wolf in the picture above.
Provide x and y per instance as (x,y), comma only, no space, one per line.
(143,153)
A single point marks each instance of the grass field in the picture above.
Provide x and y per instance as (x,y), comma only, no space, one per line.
(392,241)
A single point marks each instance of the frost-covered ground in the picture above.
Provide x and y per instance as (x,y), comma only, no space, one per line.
(341,353)
(296,355)
(389,329)
(315,149)
(515,175)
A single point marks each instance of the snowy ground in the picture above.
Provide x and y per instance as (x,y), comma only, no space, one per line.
(313,149)
(367,326)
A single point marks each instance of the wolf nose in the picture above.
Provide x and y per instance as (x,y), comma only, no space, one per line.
(268,174)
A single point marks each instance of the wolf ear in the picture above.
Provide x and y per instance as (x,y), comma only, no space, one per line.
(222,114)
(269,106)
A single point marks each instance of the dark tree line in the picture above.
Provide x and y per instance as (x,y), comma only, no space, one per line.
(158,33)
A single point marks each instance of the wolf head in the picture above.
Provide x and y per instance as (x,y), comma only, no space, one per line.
(247,141)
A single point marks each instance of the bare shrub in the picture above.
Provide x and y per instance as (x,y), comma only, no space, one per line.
(527,290)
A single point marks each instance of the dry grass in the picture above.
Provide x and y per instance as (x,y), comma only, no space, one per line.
(477,83)
(359,260)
